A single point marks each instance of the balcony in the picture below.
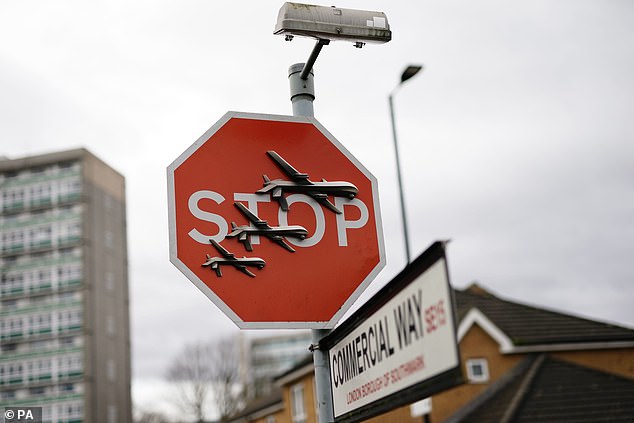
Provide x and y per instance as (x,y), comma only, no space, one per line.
(68,198)
(40,331)
(12,336)
(41,378)
(17,292)
(39,246)
(13,208)
(14,249)
(12,380)
(73,327)
(44,244)
(68,284)
(68,241)
(41,203)
(12,291)
(69,374)
(41,288)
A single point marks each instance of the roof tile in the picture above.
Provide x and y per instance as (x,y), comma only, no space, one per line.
(529,325)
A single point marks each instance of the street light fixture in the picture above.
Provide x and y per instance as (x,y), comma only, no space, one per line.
(330,23)
(408,73)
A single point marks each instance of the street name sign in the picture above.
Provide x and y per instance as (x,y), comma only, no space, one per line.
(400,346)
(274,221)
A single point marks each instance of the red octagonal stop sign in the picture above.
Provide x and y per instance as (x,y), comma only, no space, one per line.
(274,221)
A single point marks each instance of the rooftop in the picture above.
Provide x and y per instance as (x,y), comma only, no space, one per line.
(544,389)
(529,325)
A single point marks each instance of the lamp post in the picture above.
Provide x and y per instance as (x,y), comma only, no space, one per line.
(324,24)
(408,73)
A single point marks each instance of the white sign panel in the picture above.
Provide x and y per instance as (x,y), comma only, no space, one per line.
(408,340)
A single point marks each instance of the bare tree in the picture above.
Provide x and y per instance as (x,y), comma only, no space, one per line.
(150,417)
(228,390)
(207,370)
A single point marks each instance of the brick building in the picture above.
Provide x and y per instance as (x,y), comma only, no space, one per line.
(521,364)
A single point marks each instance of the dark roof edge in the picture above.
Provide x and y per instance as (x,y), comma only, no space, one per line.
(298,366)
(475,316)
(518,398)
(40,159)
(478,290)
(257,406)
(570,346)
(43,159)
(518,371)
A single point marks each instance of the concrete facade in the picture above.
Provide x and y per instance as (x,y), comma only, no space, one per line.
(64,302)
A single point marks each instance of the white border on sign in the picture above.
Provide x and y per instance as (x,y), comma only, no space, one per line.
(205,289)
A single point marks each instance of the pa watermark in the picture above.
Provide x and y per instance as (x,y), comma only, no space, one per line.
(22,414)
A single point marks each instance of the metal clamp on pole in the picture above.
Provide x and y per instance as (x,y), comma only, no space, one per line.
(302,91)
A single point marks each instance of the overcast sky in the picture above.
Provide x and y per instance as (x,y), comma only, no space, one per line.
(517,140)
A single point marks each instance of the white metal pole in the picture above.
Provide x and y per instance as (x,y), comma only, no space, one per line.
(302,96)
(323,389)
(302,91)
